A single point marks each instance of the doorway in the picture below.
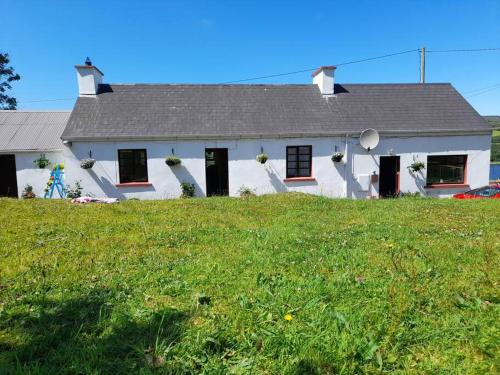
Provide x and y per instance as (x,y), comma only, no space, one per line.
(216,171)
(8,182)
(389,176)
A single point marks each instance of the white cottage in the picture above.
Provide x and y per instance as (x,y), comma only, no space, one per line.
(217,131)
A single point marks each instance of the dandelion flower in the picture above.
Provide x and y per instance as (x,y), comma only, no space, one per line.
(288,317)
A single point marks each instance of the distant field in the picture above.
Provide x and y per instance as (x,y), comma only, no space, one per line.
(282,284)
(495,141)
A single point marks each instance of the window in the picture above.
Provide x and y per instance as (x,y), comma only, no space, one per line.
(298,161)
(446,169)
(133,165)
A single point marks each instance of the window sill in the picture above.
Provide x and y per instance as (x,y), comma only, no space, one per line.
(134,184)
(299,179)
(446,186)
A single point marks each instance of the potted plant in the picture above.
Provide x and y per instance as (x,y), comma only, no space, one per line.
(337,157)
(87,163)
(28,192)
(42,162)
(58,165)
(416,166)
(262,158)
(172,161)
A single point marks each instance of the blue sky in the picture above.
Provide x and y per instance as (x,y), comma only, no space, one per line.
(218,41)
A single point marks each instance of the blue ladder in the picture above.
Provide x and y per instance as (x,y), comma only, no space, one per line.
(55,182)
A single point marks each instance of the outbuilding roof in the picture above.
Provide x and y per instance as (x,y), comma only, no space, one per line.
(31,131)
(150,111)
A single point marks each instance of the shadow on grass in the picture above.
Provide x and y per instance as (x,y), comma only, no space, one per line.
(88,335)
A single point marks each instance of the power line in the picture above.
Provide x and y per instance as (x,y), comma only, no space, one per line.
(464,50)
(483,92)
(481,89)
(312,69)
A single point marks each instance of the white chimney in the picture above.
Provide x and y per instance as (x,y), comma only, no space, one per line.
(89,78)
(324,78)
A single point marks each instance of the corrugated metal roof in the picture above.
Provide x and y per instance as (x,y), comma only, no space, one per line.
(151,111)
(30,130)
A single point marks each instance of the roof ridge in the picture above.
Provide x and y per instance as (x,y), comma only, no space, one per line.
(36,111)
(209,84)
(281,84)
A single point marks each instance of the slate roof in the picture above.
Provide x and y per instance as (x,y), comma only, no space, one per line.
(31,131)
(211,111)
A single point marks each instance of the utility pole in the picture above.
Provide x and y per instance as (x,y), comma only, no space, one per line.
(422,65)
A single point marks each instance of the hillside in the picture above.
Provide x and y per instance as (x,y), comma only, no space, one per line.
(495,141)
(282,284)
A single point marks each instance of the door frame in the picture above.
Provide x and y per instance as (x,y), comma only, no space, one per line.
(398,172)
(15,192)
(215,149)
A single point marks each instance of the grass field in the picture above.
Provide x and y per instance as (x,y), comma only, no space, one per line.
(282,284)
(495,139)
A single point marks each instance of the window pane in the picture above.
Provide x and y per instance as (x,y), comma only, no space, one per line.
(305,157)
(446,169)
(298,161)
(133,165)
(304,172)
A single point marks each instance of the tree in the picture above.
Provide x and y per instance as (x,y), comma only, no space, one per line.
(7,76)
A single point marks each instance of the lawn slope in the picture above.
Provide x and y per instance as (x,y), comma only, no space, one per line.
(282,284)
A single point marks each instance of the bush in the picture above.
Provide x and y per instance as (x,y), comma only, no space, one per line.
(74,192)
(28,192)
(42,161)
(262,158)
(172,160)
(187,190)
(245,191)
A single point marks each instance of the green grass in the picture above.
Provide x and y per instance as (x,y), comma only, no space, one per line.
(406,286)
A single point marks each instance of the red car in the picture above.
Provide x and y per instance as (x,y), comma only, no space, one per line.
(491,192)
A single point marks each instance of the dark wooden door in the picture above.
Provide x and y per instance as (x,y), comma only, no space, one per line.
(8,178)
(389,176)
(216,171)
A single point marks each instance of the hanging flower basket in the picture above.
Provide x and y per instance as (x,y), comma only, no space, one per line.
(416,166)
(262,158)
(337,157)
(87,163)
(172,160)
(42,161)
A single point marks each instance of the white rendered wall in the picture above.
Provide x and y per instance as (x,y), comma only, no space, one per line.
(244,170)
(477,149)
(29,174)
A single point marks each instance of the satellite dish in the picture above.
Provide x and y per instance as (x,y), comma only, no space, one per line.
(369,139)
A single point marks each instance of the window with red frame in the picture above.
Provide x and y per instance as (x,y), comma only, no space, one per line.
(446,169)
(298,161)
